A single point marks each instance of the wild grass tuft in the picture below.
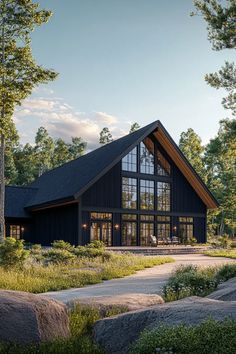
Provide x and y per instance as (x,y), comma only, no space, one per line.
(192,280)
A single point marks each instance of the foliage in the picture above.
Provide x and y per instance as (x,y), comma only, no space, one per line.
(225,241)
(134,126)
(226,272)
(191,146)
(221,27)
(222,253)
(82,317)
(97,244)
(58,268)
(57,256)
(209,337)
(19,73)
(12,253)
(25,163)
(192,280)
(105,136)
(220,161)
(61,244)
(193,241)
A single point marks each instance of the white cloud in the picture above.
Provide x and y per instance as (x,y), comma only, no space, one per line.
(105,118)
(61,120)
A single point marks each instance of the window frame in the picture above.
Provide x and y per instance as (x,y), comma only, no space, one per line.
(166,206)
(130,186)
(150,200)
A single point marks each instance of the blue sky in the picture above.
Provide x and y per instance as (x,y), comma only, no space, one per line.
(122,61)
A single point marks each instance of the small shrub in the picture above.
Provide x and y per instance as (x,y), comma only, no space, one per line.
(84,251)
(93,250)
(96,244)
(225,241)
(189,281)
(83,317)
(12,253)
(36,249)
(193,241)
(209,337)
(226,272)
(62,245)
(57,256)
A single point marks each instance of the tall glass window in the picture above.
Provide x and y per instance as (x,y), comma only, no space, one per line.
(147,156)
(163,166)
(129,162)
(129,193)
(163,196)
(146,194)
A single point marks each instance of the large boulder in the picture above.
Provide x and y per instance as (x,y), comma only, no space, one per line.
(28,318)
(225,291)
(129,302)
(116,334)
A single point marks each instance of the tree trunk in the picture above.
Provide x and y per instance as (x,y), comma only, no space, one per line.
(2,138)
(2,189)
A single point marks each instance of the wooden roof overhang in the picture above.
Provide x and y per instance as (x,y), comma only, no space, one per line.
(182,163)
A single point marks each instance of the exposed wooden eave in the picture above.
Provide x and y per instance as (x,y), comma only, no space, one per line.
(191,176)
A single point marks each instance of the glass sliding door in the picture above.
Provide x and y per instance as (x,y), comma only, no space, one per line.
(146,231)
(95,231)
(101,231)
(106,232)
(129,233)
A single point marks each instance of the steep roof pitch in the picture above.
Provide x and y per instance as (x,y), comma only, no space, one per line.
(69,181)
(16,200)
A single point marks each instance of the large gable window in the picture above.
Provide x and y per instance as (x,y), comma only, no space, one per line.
(147,156)
(146,194)
(163,196)
(163,166)
(129,193)
(129,162)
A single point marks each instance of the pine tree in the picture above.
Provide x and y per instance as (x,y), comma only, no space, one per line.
(19,73)
(221,26)
(134,126)
(105,136)
(191,146)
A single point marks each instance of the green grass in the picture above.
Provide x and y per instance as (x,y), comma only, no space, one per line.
(230,253)
(38,278)
(209,337)
(192,280)
(82,319)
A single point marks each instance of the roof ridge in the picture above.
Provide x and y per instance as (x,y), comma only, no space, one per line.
(90,152)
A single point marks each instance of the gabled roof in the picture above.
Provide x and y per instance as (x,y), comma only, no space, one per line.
(69,181)
(73,178)
(16,200)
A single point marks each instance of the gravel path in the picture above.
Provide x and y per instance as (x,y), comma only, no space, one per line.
(148,281)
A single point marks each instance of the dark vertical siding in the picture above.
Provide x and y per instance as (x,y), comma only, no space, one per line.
(24,223)
(200,229)
(85,230)
(184,198)
(106,191)
(59,223)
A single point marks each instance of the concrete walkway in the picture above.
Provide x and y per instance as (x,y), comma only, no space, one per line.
(148,281)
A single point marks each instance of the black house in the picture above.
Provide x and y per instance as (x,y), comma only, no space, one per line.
(121,193)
